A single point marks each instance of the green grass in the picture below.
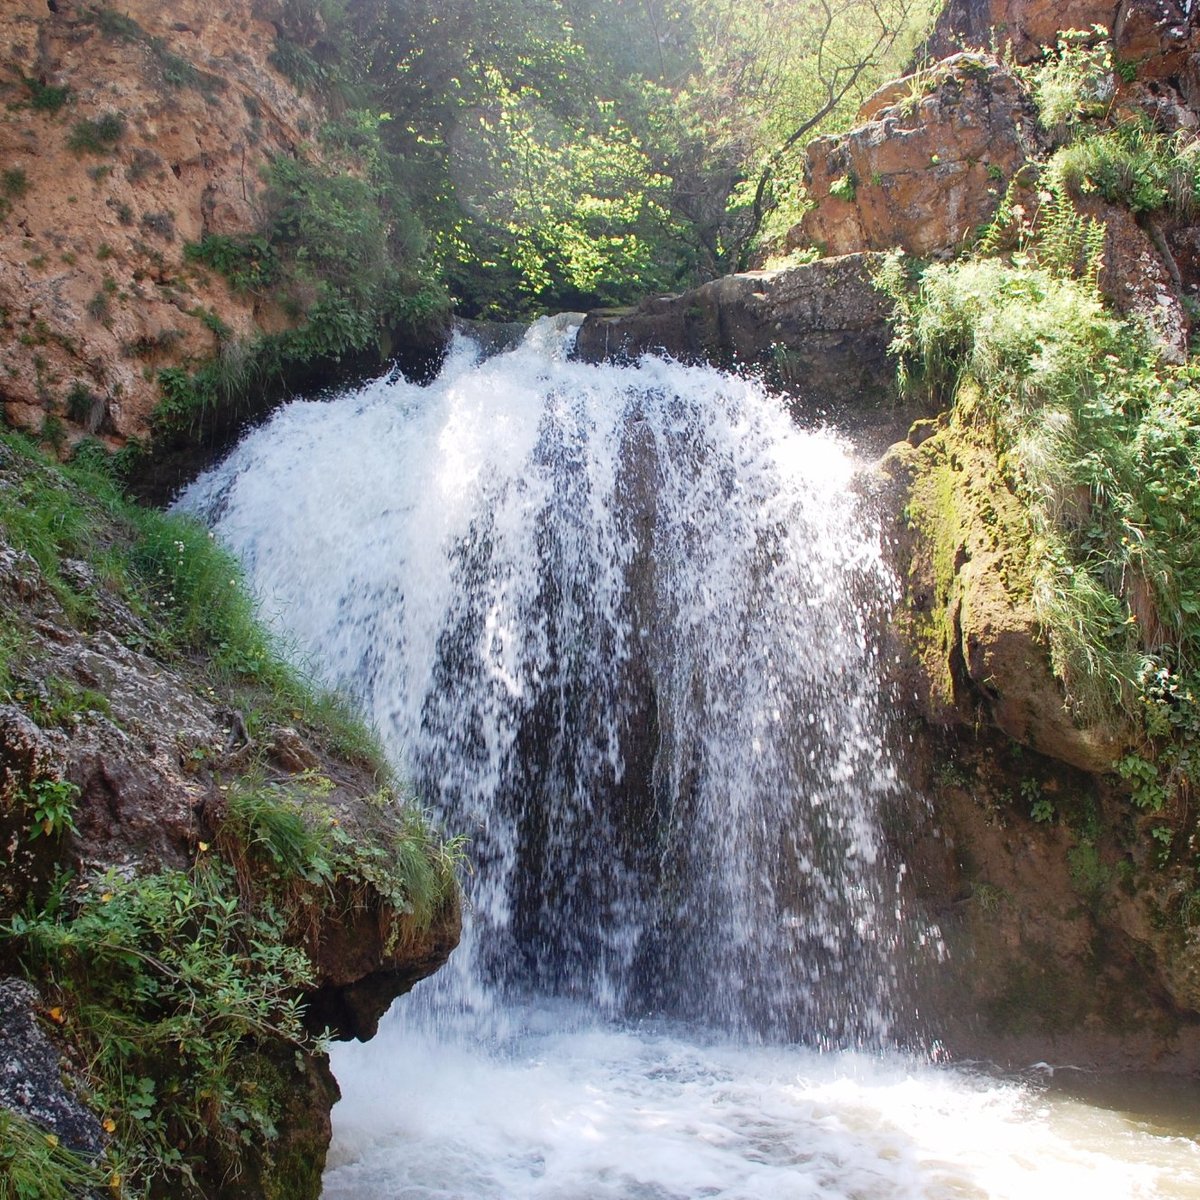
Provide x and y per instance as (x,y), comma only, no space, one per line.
(171,984)
(290,836)
(33,1166)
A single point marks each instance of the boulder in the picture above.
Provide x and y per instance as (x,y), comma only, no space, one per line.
(968,629)
(819,331)
(927,169)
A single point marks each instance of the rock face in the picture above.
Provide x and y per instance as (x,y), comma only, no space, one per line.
(150,744)
(1058,940)
(1156,35)
(171,114)
(32,1072)
(968,623)
(819,331)
(927,169)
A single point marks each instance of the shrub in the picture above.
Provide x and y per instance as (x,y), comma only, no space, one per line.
(168,980)
(97,137)
(248,262)
(45,97)
(14,183)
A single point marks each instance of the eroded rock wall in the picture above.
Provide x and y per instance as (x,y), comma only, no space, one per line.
(170,115)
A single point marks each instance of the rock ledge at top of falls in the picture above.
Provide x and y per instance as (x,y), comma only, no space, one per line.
(819,331)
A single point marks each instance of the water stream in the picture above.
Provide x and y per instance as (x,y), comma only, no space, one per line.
(618,626)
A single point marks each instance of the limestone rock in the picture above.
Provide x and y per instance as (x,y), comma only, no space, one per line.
(820,331)
(95,292)
(927,169)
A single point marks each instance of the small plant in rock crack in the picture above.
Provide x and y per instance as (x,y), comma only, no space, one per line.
(53,803)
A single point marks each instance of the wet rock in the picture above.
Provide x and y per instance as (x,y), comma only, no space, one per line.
(968,629)
(32,1072)
(818,331)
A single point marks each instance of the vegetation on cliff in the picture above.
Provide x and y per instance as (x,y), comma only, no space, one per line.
(175,970)
(1091,426)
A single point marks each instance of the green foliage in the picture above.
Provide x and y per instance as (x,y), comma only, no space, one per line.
(299,65)
(1075,84)
(46,97)
(844,188)
(1104,444)
(52,802)
(1097,435)
(171,569)
(1135,165)
(196,588)
(33,1166)
(248,263)
(64,703)
(41,515)
(1088,872)
(1041,807)
(289,837)
(14,183)
(166,981)
(340,252)
(97,137)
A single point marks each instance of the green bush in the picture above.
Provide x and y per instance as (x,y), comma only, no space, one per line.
(97,137)
(1134,165)
(168,981)
(46,97)
(248,263)
(14,183)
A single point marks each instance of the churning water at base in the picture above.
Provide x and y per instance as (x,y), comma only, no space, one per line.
(604,1113)
(619,626)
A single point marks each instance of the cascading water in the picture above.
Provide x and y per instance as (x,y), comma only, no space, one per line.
(619,626)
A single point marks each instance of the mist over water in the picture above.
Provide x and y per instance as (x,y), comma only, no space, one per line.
(618,626)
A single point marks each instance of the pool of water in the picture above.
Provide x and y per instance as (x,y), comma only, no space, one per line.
(559,1110)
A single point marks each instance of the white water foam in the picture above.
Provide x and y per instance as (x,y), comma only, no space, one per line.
(599,1113)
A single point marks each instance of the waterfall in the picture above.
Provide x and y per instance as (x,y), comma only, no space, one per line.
(618,627)
(621,627)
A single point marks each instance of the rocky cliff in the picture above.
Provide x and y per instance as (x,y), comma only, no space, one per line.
(203,864)
(137,153)
(1063,909)
(129,133)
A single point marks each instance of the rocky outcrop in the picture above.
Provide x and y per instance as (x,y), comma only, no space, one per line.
(927,169)
(968,625)
(1156,36)
(819,331)
(129,132)
(1059,936)
(151,750)
(120,754)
